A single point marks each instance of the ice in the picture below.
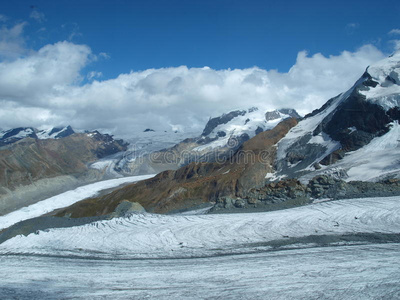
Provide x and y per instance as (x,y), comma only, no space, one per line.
(348,272)
(172,236)
(64,200)
(220,256)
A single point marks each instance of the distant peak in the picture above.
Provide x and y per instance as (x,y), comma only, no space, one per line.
(279,113)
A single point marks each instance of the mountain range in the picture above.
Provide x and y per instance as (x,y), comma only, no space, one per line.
(242,159)
(351,139)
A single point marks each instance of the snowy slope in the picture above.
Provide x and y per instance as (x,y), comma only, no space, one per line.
(360,125)
(375,161)
(55,133)
(156,236)
(16,134)
(64,200)
(248,123)
(387,74)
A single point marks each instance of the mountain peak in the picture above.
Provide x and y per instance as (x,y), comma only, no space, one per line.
(387,67)
(16,134)
(383,87)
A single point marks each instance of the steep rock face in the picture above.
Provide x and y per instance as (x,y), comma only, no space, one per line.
(346,123)
(196,183)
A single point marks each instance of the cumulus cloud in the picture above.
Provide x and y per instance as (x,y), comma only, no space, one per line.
(45,89)
(43,74)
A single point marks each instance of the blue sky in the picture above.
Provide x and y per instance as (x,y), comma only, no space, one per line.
(123,65)
(220,34)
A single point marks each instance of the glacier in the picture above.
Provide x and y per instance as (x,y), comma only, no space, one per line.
(231,256)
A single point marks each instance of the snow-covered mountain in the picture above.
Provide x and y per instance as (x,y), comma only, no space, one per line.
(13,135)
(239,126)
(221,137)
(354,136)
(55,133)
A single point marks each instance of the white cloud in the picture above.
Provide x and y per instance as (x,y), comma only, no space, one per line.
(38,16)
(42,74)
(47,84)
(12,43)
(394,32)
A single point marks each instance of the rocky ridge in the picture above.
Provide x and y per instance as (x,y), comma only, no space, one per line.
(35,168)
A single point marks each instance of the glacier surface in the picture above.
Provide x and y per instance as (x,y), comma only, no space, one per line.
(147,256)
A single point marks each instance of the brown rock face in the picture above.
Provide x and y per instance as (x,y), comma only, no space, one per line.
(29,160)
(196,183)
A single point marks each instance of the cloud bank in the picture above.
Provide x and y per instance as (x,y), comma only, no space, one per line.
(45,88)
